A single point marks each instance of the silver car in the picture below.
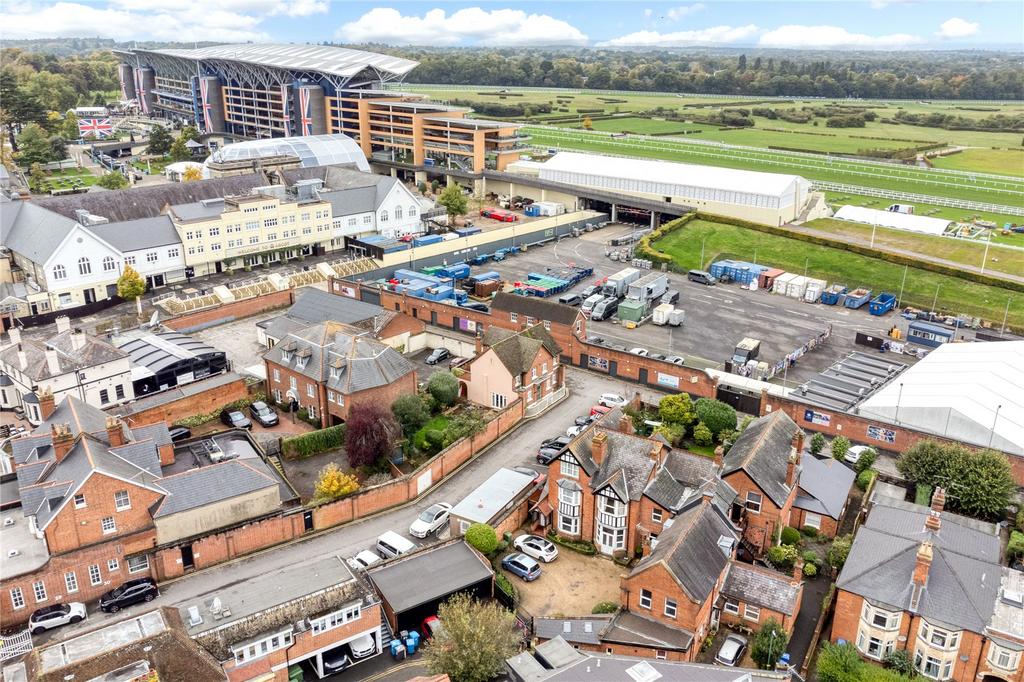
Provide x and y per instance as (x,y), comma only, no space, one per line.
(536,547)
(732,650)
(55,616)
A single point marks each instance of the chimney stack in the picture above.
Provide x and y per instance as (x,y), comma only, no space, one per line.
(77,339)
(798,443)
(63,324)
(22,359)
(52,362)
(626,424)
(599,447)
(924,563)
(46,403)
(479,344)
(15,334)
(939,500)
(791,469)
(933,522)
(719,457)
(62,440)
(798,570)
(115,432)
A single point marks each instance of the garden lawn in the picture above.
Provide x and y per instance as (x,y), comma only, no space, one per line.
(1000,161)
(955,295)
(811,138)
(439,423)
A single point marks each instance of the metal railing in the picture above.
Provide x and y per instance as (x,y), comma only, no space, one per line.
(921,198)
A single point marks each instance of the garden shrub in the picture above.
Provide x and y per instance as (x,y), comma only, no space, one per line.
(782,556)
(840,446)
(866,459)
(605,607)
(809,531)
(810,557)
(314,442)
(865,477)
(817,444)
(1015,547)
(582,546)
(702,434)
(482,537)
(790,536)
(810,570)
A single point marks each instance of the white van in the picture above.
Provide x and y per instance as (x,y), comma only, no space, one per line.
(588,305)
(391,544)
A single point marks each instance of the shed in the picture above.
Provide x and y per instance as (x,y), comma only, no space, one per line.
(492,501)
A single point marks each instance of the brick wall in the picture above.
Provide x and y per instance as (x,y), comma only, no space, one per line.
(787,622)
(202,403)
(641,652)
(230,311)
(829,526)
(690,615)
(760,527)
(73,528)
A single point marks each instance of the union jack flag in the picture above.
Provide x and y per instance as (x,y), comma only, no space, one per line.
(305,116)
(204,88)
(96,127)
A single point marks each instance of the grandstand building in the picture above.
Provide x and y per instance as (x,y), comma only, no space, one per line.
(268,91)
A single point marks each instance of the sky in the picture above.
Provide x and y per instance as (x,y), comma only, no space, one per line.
(819,24)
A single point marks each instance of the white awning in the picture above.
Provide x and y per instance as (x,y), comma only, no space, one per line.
(898,221)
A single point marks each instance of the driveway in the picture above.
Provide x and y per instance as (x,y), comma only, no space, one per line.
(570,585)
(807,619)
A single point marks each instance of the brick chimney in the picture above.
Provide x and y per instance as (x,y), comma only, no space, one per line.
(719,457)
(626,424)
(939,500)
(62,440)
(479,344)
(115,432)
(46,403)
(791,469)
(923,565)
(599,447)
(798,443)
(933,522)
(798,570)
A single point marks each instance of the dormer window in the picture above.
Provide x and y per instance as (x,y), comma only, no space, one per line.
(286,355)
(300,363)
(335,372)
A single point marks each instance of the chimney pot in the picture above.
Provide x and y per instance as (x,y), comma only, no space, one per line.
(46,403)
(115,432)
(599,447)
(923,565)
(62,440)
(933,522)
(939,499)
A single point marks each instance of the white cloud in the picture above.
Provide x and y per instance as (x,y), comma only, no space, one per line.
(882,4)
(648,12)
(469,25)
(716,35)
(797,36)
(677,13)
(957,28)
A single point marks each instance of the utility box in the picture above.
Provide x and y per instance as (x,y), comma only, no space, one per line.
(632,310)
(662,313)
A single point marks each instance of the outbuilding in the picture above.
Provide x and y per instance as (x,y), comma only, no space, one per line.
(494,502)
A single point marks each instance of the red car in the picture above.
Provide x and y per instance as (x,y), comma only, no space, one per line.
(431,627)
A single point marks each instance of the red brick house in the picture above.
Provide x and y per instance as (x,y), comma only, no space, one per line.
(512,311)
(512,365)
(931,583)
(822,494)
(328,367)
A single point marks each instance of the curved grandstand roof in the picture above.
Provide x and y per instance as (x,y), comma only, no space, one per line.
(333,61)
(312,150)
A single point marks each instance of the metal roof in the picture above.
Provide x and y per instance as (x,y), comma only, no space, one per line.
(325,59)
(158,351)
(899,221)
(403,583)
(312,150)
(491,496)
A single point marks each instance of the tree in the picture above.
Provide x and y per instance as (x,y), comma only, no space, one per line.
(69,127)
(673,433)
(191,174)
(179,152)
(482,538)
(474,641)
(716,415)
(333,483)
(370,433)
(37,177)
(838,663)
(840,446)
(112,180)
(978,484)
(677,409)
(130,285)
(866,459)
(839,551)
(444,388)
(58,148)
(34,145)
(702,434)
(160,141)
(769,644)
(464,425)
(588,124)
(189,134)
(453,200)
(817,444)
(900,661)
(411,411)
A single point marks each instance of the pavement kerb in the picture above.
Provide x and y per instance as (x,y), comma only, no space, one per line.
(316,534)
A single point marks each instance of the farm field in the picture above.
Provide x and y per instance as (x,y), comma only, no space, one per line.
(1001,259)
(1006,161)
(1002,191)
(955,295)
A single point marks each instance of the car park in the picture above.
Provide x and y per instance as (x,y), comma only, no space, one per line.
(263,413)
(50,617)
(536,547)
(522,565)
(390,544)
(853,455)
(179,433)
(612,400)
(132,592)
(437,355)
(570,299)
(731,651)
(642,352)
(430,520)
(364,560)
(235,419)
(701,277)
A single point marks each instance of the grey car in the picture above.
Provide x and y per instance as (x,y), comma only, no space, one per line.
(732,650)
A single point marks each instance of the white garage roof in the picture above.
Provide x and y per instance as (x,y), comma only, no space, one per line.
(957,390)
(667,172)
(899,221)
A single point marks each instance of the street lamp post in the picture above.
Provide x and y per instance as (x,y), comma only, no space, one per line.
(992,433)
(904,281)
(899,397)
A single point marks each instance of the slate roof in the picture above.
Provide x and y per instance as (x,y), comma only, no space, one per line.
(537,308)
(827,484)
(627,465)
(361,363)
(630,628)
(578,632)
(208,484)
(688,549)
(313,305)
(682,476)
(94,351)
(762,587)
(135,235)
(762,451)
(518,350)
(963,581)
(32,231)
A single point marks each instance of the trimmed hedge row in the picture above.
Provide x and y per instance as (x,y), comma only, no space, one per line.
(314,442)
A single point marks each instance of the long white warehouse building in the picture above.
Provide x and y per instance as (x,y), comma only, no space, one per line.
(768,198)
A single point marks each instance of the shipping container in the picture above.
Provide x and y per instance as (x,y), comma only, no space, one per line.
(648,287)
(767,278)
(882,304)
(467,231)
(677,317)
(856,298)
(632,311)
(454,271)
(480,258)
(814,289)
(427,239)
(834,294)
(532,211)
(548,208)
(796,287)
(662,313)
(782,282)
(736,271)
(928,334)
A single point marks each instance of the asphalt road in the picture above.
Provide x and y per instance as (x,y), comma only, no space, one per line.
(518,447)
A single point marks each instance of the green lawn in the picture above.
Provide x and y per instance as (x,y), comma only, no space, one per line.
(955,295)
(156,166)
(68,173)
(814,139)
(438,423)
(643,126)
(1002,161)
(1000,258)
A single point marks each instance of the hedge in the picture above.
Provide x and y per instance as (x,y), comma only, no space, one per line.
(314,442)
(581,546)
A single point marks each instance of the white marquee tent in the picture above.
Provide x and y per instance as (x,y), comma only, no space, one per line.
(898,221)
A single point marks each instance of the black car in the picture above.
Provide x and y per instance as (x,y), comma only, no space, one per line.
(132,592)
(670,296)
(263,413)
(551,449)
(437,355)
(474,305)
(587,420)
(235,419)
(179,433)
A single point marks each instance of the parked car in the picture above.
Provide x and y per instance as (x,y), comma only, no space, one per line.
(336,660)
(430,520)
(551,450)
(537,547)
(179,433)
(675,359)
(670,296)
(525,567)
(50,617)
(612,400)
(574,430)
(363,646)
(852,455)
(642,352)
(586,420)
(437,355)
(477,306)
(457,362)
(570,299)
(701,277)
(235,419)
(390,544)
(600,410)
(589,291)
(431,627)
(731,652)
(129,593)
(364,560)
(263,413)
